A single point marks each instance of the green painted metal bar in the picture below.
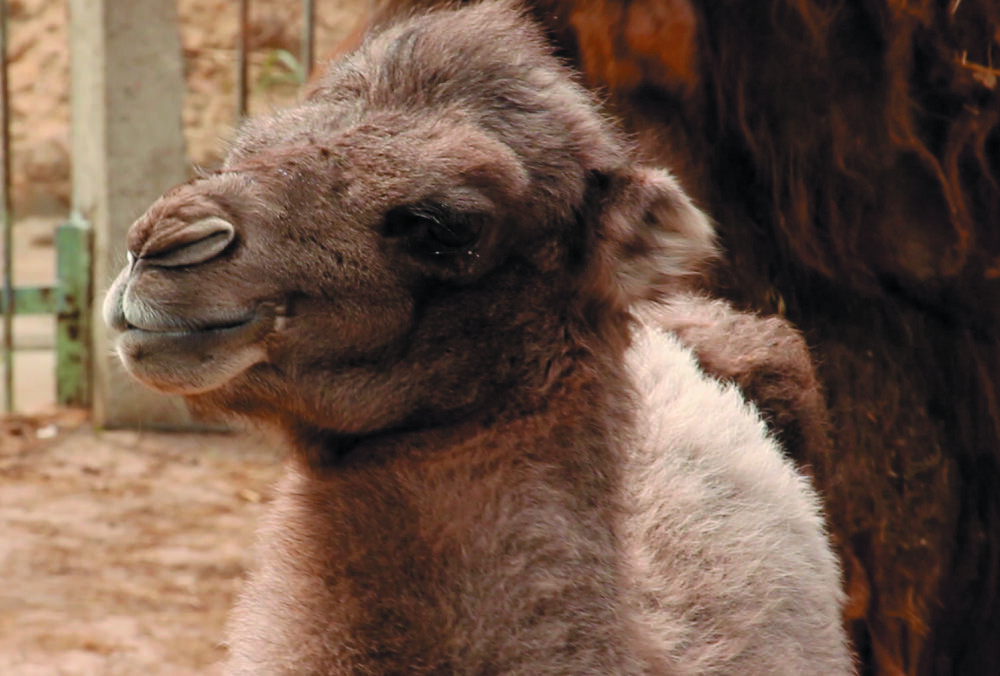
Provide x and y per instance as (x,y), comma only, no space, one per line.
(5,214)
(69,301)
(242,56)
(73,313)
(31,300)
(308,37)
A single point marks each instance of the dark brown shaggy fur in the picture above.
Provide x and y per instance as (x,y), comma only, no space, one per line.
(850,151)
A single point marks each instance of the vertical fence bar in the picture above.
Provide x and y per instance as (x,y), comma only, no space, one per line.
(241,62)
(8,225)
(308,36)
(73,313)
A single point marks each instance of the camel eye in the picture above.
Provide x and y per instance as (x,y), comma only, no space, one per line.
(454,233)
(439,229)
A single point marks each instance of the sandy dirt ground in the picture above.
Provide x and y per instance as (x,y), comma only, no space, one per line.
(121,552)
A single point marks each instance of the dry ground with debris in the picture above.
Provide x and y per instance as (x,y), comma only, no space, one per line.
(121,552)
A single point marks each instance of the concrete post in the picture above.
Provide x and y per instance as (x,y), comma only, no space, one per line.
(128,147)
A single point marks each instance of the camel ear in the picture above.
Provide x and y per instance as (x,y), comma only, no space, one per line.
(653,237)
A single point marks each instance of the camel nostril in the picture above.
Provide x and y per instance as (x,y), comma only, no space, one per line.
(189,244)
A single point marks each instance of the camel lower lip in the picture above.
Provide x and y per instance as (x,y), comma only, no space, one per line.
(190,362)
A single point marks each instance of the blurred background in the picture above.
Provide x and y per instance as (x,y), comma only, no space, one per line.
(848,150)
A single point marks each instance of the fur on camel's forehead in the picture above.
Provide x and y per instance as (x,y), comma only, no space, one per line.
(449,77)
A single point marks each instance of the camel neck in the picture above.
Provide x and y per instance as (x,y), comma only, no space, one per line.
(427,534)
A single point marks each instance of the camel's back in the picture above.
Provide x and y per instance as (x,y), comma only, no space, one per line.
(733,572)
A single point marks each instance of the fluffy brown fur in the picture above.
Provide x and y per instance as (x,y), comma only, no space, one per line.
(850,152)
(769,361)
(442,279)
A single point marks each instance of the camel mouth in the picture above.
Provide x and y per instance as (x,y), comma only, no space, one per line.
(197,359)
(207,327)
(193,338)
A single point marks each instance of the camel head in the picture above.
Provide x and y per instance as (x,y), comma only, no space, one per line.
(444,213)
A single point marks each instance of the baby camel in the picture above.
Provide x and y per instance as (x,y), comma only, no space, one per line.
(445,280)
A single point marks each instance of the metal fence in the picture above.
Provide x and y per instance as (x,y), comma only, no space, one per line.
(68,298)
